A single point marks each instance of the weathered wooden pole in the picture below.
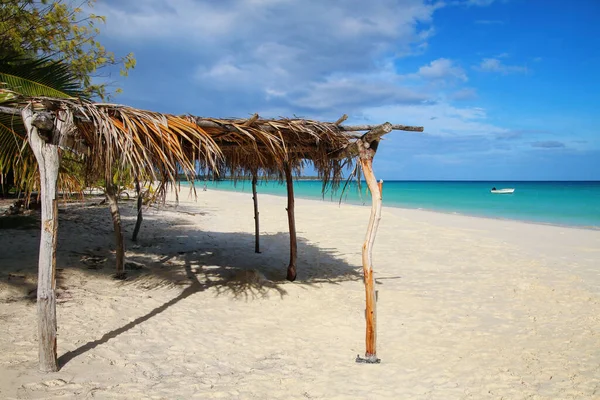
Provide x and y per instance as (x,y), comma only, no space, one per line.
(265,125)
(291,270)
(256,221)
(367,147)
(140,218)
(111,196)
(45,149)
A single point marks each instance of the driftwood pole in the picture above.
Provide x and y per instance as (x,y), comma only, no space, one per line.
(367,147)
(140,218)
(291,270)
(111,196)
(45,149)
(256,221)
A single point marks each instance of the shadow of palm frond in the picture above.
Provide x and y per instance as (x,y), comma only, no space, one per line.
(224,261)
(175,252)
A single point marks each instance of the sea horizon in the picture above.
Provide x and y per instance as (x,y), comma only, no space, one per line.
(561,203)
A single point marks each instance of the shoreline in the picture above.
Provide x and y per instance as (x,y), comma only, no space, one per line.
(368,204)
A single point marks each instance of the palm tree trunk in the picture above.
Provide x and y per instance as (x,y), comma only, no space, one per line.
(48,160)
(111,196)
(140,218)
(291,270)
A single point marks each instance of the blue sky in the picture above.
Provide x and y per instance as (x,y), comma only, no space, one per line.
(506,89)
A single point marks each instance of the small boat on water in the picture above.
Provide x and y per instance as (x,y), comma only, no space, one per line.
(502,191)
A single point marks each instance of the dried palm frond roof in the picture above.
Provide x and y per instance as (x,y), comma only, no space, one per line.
(112,139)
(151,143)
(255,144)
(159,146)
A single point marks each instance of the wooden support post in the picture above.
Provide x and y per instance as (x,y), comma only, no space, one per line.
(367,147)
(140,217)
(291,271)
(341,119)
(48,159)
(111,196)
(256,220)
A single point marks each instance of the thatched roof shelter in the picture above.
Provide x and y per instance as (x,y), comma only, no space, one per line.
(255,143)
(158,146)
(280,146)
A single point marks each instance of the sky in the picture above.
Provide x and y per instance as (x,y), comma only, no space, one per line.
(505,89)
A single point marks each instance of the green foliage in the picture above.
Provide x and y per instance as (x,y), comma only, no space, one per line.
(57,29)
(42,77)
(29,77)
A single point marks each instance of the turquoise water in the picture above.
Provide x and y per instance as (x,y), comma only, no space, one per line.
(562,203)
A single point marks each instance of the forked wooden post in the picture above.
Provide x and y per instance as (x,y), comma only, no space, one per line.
(367,147)
(46,153)
(256,221)
(291,270)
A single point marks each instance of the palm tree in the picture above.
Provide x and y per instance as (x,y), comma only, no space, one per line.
(26,77)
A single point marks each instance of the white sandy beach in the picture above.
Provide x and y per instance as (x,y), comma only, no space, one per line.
(469,308)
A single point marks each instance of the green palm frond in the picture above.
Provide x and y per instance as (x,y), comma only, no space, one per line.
(15,155)
(23,77)
(39,77)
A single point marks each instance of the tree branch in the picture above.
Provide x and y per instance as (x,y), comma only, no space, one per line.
(10,110)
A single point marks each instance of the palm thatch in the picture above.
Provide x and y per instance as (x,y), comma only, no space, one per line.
(257,144)
(115,140)
(157,146)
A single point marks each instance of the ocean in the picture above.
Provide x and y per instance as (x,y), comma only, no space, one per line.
(558,203)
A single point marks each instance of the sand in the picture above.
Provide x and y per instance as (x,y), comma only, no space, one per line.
(469,308)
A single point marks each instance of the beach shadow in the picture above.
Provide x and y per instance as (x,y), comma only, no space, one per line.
(223,255)
(161,254)
(194,287)
(175,252)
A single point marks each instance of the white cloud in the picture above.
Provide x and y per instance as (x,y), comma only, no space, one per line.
(258,21)
(440,119)
(464,94)
(310,58)
(351,93)
(496,65)
(297,53)
(441,69)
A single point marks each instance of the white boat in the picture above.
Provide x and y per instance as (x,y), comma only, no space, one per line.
(502,191)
